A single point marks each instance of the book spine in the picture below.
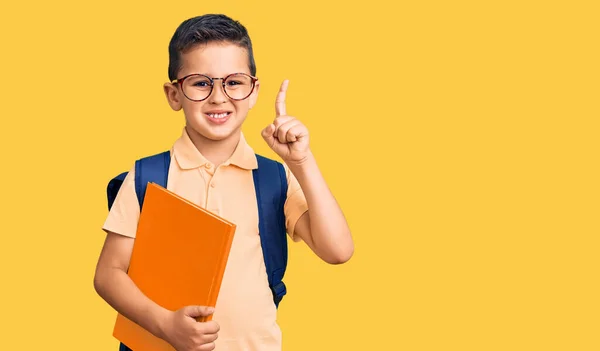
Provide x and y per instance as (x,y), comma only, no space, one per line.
(218,278)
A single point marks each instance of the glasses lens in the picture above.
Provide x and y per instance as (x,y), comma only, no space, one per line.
(238,86)
(197,87)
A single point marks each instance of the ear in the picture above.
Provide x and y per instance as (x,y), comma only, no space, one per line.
(254,96)
(173,96)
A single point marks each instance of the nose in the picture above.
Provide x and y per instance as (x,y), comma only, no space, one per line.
(217,96)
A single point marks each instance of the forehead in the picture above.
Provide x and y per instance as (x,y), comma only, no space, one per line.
(215,60)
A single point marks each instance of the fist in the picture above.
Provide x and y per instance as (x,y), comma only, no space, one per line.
(287,136)
(184,333)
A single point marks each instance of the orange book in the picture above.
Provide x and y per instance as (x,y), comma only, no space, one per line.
(178,259)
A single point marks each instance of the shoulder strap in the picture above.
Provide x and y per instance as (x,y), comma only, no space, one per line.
(270,183)
(113,188)
(151,169)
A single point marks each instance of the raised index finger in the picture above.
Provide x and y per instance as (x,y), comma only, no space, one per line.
(280,101)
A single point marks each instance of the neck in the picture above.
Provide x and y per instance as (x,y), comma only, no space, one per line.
(215,151)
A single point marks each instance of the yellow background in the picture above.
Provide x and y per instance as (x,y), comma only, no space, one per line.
(460,138)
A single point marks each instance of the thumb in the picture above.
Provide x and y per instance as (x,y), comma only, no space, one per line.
(267,134)
(198,311)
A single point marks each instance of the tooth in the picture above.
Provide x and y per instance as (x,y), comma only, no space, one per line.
(218,115)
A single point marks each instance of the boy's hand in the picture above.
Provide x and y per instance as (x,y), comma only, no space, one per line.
(287,136)
(184,333)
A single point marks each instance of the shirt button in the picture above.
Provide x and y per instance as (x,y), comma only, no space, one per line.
(208,165)
(212,184)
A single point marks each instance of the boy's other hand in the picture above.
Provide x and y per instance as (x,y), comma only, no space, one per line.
(287,136)
(184,333)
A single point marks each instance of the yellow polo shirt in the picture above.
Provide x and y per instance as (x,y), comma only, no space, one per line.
(245,310)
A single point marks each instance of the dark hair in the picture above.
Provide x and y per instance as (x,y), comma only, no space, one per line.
(205,29)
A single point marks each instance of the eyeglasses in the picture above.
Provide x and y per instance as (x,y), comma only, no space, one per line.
(198,87)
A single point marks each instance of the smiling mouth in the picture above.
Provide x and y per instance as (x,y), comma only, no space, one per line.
(218,115)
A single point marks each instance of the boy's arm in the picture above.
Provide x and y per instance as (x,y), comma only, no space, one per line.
(323,227)
(114,285)
(111,280)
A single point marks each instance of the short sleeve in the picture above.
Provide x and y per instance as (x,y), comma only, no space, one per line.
(295,204)
(124,214)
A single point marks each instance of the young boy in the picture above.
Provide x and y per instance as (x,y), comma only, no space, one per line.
(212,79)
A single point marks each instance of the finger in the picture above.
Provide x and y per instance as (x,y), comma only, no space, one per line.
(296,133)
(198,311)
(207,347)
(283,130)
(206,328)
(211,327)
(268,134)
(280,100)
(282,120)
(210,337)
(269,131)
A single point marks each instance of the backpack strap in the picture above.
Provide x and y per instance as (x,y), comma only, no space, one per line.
(113,188)
(151,169)
(270,183)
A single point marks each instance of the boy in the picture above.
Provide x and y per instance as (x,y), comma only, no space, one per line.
(212,79)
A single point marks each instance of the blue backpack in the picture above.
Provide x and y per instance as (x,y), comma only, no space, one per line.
(270,183)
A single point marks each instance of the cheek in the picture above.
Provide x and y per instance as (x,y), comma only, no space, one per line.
(242,106)
(192,109)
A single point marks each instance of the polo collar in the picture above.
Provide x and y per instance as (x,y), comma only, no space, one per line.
(189,157)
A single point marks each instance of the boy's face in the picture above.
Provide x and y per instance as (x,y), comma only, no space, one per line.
(218,117)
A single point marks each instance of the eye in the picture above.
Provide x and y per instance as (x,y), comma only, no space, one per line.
(201,84)
(234,82)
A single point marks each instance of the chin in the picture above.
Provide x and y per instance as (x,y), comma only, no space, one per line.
(214,134)
(219,137)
